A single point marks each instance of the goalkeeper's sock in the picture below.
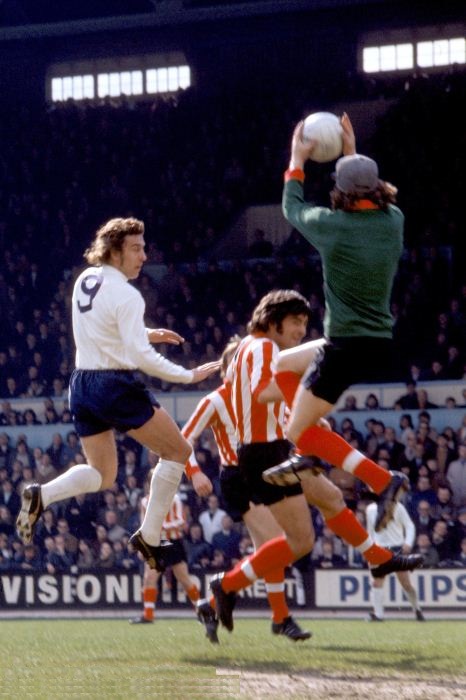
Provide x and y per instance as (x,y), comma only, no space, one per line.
(336,451)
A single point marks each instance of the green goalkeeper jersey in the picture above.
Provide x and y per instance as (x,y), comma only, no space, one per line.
(360,251)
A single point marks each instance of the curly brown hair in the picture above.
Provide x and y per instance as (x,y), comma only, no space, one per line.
(274,307)
(382,196)
(110,237)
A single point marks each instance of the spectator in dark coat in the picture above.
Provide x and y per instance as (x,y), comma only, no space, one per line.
(199,551)
(227,540)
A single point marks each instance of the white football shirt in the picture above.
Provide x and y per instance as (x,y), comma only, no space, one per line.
(108,327)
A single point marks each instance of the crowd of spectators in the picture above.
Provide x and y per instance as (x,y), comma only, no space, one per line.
(65,169)
(89,532)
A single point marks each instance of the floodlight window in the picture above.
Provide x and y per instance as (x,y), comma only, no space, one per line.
(117,83)
(67,88)
(103,85)
(184,77)
(137,85)
(388,58)
(443,52)
(88,87)
(404,56)
(151,81)
(458,50)
(425,54)
(162,80)
(114,89)
(57,89)
(173,83)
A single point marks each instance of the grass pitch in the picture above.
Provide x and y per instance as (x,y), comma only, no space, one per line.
(172,660)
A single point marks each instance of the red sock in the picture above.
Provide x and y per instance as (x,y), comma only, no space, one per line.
(336,451)
(193,594)
(275,587)
(288,383)
(149,597)
(271,555)
(347,526)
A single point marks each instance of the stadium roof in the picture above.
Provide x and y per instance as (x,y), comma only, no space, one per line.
(30,12)
(38,19)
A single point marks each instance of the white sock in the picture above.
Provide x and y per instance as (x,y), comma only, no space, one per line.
(412,597)
(81,478)
(163,487)
(377,602)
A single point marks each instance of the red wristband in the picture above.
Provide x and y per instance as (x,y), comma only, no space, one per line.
(192,469)
(296,174)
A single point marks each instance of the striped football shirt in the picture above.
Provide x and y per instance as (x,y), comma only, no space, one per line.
(214,411)
(250,372)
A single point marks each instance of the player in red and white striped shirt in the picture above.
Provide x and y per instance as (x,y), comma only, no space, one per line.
(278,322)
(215,411)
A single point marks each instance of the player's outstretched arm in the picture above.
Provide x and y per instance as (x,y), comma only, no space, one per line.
(164,335)
(203,371)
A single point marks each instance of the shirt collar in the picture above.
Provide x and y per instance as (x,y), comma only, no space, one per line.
(112,271)
(362,204)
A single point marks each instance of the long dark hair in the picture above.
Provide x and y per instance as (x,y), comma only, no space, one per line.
(384,195)
(274,307)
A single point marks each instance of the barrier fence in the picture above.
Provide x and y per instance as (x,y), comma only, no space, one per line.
(319,590)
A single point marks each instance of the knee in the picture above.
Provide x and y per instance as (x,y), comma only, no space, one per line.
(302,545)
(177,452)
(334,505)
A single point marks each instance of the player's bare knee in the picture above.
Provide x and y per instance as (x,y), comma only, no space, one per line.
(178,451)
(300,543)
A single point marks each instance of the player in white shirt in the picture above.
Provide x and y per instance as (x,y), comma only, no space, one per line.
(398,534)
(106,392)
(173,531)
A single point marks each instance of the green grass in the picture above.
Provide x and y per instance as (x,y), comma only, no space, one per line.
(172,659)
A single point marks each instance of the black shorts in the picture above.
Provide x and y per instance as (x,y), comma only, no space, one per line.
(105,399)
(256,458)
(234,492)
(175,554)
(342,362)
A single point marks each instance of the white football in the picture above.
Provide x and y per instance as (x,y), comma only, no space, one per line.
(325,128)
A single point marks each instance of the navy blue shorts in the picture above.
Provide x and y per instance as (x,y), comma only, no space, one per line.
(233,488)
(105,399)
(256,458)
(343,362)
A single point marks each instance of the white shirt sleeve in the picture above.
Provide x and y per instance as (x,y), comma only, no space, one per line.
(134,337)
